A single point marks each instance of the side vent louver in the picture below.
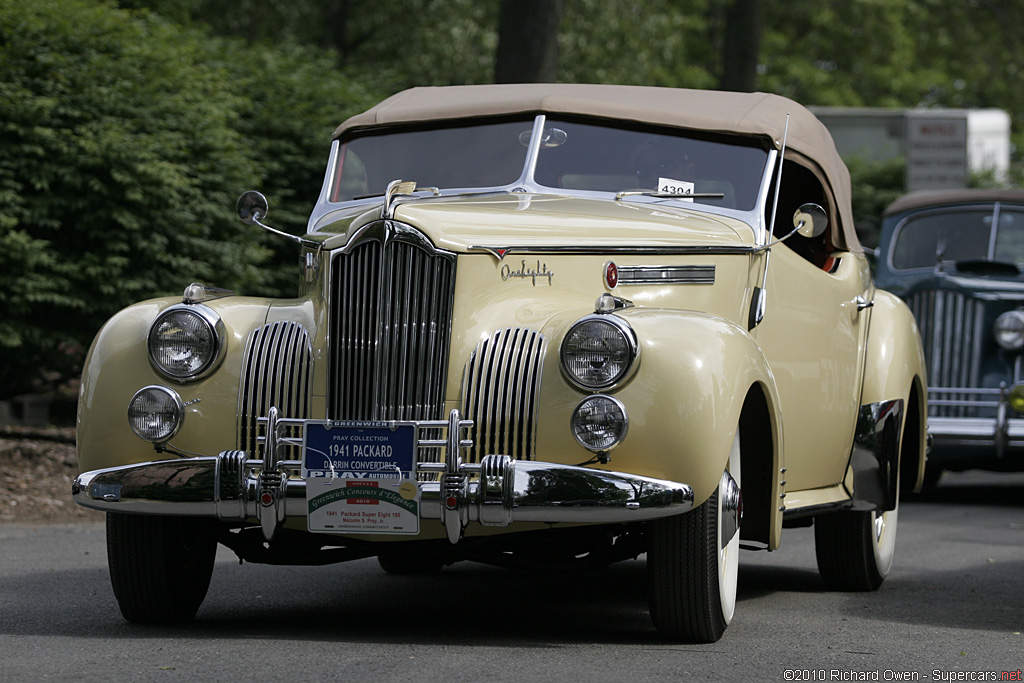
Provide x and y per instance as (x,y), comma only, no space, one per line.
(277,371)
(500,387)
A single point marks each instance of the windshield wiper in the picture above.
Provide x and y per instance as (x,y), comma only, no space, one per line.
(668,195)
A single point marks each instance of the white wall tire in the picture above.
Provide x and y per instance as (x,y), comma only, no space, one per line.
(692,574)
(729,553)
(855,549)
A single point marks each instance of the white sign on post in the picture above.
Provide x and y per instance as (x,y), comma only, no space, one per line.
(936,151)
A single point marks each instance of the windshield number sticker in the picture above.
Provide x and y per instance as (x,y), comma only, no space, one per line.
(679,187)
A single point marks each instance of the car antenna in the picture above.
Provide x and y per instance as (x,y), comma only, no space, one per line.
(757,304)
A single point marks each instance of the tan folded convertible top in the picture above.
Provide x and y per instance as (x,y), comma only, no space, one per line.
(759,114)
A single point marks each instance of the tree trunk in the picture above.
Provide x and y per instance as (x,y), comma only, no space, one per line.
(528,41)
(742,46)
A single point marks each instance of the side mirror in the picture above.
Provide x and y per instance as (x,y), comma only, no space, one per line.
(810,220)
(252,207)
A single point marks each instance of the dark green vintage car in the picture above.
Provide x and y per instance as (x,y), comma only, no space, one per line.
(957,258)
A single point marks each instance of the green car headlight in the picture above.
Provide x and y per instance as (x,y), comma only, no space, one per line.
(156,413)
(600,423)
(186,342)
(1009,330)
(599,352)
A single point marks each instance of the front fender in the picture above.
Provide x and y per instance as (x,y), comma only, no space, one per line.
(684,402)
(117,366)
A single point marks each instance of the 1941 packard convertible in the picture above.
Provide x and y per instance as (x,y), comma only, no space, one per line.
(558,325)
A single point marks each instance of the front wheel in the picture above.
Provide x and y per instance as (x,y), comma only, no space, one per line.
(855,549)
(693,564)
(160,567)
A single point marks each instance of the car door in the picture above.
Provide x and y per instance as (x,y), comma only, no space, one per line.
(813,333)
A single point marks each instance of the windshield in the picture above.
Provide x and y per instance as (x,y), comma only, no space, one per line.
(991,233)
(572,156)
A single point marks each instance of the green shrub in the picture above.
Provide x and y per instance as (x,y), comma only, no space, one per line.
(124,142)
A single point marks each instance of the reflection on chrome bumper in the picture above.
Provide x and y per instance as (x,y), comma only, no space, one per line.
(496,492)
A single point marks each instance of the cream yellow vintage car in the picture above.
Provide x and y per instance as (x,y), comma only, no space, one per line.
(554,325)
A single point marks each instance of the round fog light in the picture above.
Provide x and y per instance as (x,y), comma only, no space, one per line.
(1017,397)
(599,423)
(156,413)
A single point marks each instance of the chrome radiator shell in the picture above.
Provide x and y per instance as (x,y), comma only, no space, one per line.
(390,299)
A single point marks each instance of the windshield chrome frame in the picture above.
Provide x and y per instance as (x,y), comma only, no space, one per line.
(325,210)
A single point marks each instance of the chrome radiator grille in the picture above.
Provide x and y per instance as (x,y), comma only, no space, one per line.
(276,371)
(500,387)
(952,336)
(391,305)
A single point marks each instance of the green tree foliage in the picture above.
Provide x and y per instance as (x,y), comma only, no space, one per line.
(642,42)
(388,45)
(124,141)
(103,117)
(843,53)
(875,186)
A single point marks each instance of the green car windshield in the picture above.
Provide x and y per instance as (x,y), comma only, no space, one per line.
(989,233)
(571,156)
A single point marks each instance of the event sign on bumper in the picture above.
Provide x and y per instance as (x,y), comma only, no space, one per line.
(360,477)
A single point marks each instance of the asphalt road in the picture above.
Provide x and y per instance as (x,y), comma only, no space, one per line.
(951,609)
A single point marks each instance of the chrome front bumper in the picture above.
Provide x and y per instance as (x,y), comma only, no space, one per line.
(495,492)
(1002,432)
(972,431)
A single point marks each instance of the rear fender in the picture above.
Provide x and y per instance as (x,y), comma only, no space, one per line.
(894,369)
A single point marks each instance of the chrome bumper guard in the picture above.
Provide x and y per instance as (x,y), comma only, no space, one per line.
(494,492)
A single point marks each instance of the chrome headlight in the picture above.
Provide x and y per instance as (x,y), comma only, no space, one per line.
(599,352)
(156,413)
(186,342)
(1009,330)
(599,423)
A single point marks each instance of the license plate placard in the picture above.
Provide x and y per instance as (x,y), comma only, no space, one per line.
(360,477)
